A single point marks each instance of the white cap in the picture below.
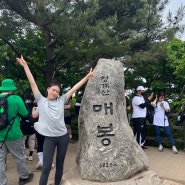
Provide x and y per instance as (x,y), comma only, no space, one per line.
(140,88)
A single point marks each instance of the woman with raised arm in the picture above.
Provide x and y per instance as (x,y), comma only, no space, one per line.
(51,122)
(161,121)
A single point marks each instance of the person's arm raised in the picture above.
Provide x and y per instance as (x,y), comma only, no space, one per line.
(154,102)
(79,84)
(29,75)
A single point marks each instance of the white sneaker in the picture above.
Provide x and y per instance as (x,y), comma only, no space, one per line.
(174,150)
(30,158)
(25,156)
(39,166)
(160,148)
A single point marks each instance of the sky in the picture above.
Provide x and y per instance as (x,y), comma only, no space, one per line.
(173,6)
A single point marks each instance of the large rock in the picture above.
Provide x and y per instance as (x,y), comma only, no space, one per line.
(107,150)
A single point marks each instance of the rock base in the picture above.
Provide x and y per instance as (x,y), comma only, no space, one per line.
(72,177)
(144,178)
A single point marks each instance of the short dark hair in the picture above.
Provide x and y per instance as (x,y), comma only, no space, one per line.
(28,96)
(54,82)
(159,94)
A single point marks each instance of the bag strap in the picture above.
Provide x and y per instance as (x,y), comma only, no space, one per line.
(10,126)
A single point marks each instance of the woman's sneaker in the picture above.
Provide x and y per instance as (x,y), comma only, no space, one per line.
(39,166)
(174,150)
(160,148)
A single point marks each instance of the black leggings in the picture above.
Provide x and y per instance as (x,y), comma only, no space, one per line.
(50,143)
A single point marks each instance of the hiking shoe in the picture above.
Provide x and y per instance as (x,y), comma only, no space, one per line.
(27,180)
(174,150)
(30,158)
(160,148)
(39,166)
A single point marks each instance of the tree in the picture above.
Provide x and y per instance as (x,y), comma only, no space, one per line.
(9,68)
(75,34)
(147,59)
(176,57)
(64,45)
(176,61)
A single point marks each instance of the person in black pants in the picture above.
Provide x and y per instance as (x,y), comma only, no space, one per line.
(139,115)
(40,143)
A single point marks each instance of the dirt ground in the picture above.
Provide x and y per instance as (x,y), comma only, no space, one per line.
(167,165)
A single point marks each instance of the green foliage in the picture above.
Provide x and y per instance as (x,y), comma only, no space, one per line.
(30,45)
(84,31)
(63,40)
(176,57)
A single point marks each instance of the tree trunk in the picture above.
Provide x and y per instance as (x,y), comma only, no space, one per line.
(50,68)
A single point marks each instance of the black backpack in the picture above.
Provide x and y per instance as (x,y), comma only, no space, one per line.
(150,115)
(4,112)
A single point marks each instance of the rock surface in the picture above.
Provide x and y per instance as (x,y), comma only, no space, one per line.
(143,178)
(107,150)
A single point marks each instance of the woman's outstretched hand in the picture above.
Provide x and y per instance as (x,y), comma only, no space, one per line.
(21,61)
(90,74)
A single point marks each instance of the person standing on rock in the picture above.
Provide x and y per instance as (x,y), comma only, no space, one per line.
(139,115)
(51,122)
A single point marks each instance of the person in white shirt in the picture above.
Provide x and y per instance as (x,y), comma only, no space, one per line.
(161,108)
(139,115)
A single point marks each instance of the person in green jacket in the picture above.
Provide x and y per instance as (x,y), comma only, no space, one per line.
(12,140)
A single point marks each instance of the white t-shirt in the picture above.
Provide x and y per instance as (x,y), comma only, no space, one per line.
(51,117)
(138,112)
(160,119)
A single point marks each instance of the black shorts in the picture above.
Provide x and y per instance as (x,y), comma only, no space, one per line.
(67,120)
